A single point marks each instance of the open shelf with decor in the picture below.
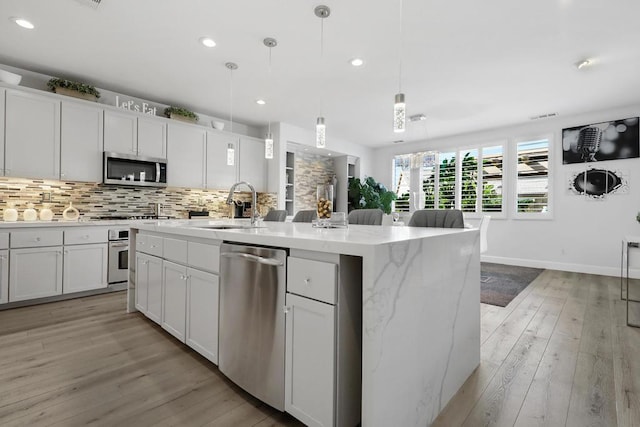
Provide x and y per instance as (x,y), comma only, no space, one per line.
(289,181)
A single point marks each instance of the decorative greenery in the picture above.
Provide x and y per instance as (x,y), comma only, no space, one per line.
(638,217)
(181,112)
(68,84)
(370,195)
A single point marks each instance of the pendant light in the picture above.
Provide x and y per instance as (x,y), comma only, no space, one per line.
(321,131)
(231,155)
(399,107)
(268,141)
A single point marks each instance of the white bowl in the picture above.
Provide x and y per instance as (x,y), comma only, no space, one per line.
(10,78)
(217,125)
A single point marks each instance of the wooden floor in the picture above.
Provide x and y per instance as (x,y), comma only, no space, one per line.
(559,354)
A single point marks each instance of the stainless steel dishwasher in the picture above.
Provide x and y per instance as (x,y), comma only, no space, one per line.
(252,320)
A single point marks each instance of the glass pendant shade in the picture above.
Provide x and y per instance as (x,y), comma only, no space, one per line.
(268,146)
(231,155)
(321,140)
(399,113)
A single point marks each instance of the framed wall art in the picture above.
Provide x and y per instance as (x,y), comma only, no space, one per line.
(617,139)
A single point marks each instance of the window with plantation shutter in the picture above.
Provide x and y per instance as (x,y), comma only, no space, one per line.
(401,182)
(429,168)
(469,180)
(492,175)
(447,181)
(532,187)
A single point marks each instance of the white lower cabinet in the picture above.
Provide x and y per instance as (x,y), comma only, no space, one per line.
(202,313)
(85,267)
(4,276)
(35,273)
(174,299)
(149,286)
(310,361)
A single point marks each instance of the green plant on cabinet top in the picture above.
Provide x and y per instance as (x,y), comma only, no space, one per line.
(172,112)
(56,84)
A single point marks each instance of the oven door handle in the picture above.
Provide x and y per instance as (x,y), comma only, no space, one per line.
(119,245)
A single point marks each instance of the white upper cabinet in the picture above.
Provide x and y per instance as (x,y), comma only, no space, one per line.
(152,137)
(32,135)
(186,156)
(252,164)
(2,97)
(220,175)
(120,132)
(81,142)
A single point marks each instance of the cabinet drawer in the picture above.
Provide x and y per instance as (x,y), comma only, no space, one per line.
(4,240)
(312,279)
(36,238)
(149,244)
(204,256)
(79,236)
(175,250)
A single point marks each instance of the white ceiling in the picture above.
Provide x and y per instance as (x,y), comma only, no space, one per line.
(466,65)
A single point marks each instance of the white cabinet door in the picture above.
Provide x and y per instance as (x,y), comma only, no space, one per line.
(220,176)
(186,156)
(4,277)
(32,136)
(149,286)
(202,313)
(174,299)
(252,164)
(120,132)
(2,103)
(35,273)
(81,143)
(310,361)
(85,267)
(152,137)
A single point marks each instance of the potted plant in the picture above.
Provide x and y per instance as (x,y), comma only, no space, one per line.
(369,194)
(75,89)
(179,113)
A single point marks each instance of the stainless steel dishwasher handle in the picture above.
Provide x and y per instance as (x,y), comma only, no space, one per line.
(253,258)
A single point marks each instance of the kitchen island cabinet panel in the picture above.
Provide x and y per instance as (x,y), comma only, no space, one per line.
(220,175)
(186,156)
(120,132)
(174,299)
(252,165)
(32,135)
(3,93)
(85,267)
(4,276)
(81,142)
(310,361)
(202,313)
(35,273)
(149,286)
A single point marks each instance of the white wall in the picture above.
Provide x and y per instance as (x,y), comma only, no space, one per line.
(583,235)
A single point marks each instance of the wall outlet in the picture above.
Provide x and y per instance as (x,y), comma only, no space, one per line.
(45,197)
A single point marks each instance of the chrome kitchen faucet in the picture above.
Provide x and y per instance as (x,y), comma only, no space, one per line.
(254,207)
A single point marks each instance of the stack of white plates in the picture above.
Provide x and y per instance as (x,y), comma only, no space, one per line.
(10,78)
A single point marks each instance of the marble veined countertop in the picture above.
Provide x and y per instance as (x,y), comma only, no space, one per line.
(61,223)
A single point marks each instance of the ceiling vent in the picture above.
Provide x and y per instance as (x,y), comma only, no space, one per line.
(91,3)
(544,116)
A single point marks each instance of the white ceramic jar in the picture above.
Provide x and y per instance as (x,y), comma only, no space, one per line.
(46,214)
(10,213)
(30,213)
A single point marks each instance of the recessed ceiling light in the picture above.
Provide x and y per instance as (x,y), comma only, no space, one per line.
(23,23)
(357,62)
(328,154)
(583,64)
(261,101)
(207,41)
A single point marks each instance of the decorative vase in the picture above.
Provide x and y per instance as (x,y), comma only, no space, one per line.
(387,219)
(324,203)
(46,214)
(182,118)
(30,213)
(70,213)
(10,214)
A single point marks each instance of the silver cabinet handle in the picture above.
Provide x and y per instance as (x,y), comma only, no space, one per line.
(3,257)
(286,309)
(66,252)
(253,258)
(37,239)
(119,245)
(307,281)
(145,262)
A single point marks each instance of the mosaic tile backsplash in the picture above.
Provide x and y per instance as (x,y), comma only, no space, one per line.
(97,201)
(311,170)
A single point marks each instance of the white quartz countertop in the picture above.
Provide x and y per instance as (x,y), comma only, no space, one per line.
(353,240)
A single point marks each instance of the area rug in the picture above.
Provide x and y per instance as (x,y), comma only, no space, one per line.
(499,283)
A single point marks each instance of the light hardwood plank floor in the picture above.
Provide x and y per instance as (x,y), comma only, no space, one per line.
(560,354)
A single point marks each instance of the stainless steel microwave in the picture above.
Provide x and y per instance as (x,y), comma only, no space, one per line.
(125,169)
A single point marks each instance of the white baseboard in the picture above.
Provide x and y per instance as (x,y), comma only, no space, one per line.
(634,273)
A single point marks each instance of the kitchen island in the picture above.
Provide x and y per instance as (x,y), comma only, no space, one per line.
(420,305)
